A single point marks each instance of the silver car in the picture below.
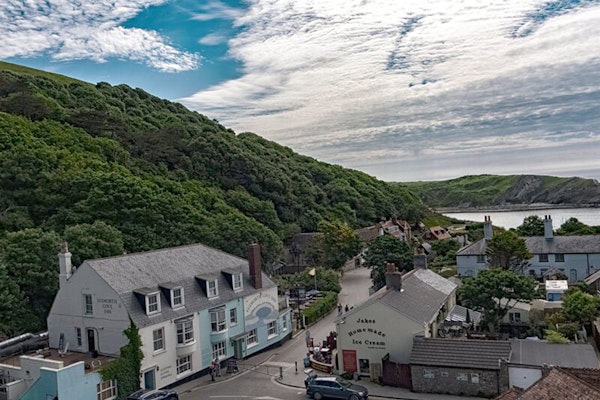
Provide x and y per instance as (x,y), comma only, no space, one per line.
(334,387)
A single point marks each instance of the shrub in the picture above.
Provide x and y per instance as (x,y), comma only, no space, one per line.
(321,307)
(555,337)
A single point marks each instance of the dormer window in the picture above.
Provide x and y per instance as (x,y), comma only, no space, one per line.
(152,303)
(177,298)
(236,280)
(212,290)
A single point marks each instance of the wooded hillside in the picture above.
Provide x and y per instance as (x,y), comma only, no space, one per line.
(113,169)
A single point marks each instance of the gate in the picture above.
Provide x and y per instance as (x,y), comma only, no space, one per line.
(395,374)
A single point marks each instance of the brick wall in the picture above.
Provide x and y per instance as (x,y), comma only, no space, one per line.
(457,381)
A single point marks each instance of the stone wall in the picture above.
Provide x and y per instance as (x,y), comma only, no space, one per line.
(457,381)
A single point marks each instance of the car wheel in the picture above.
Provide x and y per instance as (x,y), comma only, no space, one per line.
(317,396)
(353,397)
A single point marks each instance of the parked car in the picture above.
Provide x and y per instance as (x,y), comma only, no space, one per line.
(334,387)
(154,394)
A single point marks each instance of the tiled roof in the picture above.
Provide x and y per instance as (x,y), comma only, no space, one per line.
(462,353)
(174,266)
(582,244)
(540,352)
(559,384)
(511,394)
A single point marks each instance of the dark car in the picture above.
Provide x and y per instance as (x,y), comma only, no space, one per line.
(334,387)
(154,394)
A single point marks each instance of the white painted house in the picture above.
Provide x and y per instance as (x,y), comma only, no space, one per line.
(574,256)
(191,304)
(383,327)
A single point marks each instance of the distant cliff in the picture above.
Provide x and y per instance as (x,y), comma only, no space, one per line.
(507,192)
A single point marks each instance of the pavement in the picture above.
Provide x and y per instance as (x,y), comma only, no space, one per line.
(285,363)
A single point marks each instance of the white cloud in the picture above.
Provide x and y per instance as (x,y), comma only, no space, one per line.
(216,10)
(72,30)
(213,39)
(409,83)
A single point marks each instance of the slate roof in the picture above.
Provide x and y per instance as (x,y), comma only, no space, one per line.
(474,249)
(540,352)
(559,384)
(461,353)
(177,266)
(581,244)
(423,293)
(592,278)
(459,313)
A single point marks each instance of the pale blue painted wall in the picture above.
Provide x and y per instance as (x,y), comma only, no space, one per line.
(69,383)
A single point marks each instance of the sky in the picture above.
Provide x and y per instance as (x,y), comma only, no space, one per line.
(406,90)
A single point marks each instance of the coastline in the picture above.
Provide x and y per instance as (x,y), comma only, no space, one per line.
(511,207)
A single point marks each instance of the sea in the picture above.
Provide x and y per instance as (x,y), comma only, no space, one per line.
(512,219)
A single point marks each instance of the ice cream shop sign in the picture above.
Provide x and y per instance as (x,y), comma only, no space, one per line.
(370,337)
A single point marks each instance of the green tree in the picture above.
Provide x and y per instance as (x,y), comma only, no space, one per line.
(579,306)
(508,251)
(531,226)
(336,243)
(13,314)
(573,226)
(494,291)
(387,249)
(126,369)
(91,241)
(31,262)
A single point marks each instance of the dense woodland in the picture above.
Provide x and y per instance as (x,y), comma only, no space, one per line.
(111,169)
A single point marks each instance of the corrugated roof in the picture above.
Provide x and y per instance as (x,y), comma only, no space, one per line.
(468,353)
(539,352)
(179,266)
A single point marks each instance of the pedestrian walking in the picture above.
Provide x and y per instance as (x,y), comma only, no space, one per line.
(346,309)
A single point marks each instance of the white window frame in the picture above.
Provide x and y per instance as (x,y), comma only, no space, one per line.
(543,258)
(185,331)
(219,349)
(233,320)
(107,390)
(481,258)
(158,339)
(218,321)
(237,283)
(559,257)
(152,307)
(284,325)
(272,329)
(177,299)
(252,339)
(88,304)
(184,364)
(212,289)
(428,373)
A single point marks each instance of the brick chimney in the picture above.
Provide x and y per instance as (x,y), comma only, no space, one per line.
(64,262)
(487,228)
(255,264)
(548,233)
(393,278)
